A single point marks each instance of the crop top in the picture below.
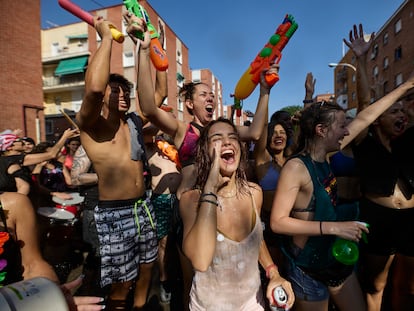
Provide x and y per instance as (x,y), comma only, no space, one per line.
(188,148)
(380,169)
(7,181)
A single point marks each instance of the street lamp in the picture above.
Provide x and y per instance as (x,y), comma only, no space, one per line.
(343,64)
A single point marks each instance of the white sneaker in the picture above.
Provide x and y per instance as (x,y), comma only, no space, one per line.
(164,295)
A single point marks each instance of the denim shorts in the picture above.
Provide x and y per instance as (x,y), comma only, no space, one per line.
(305,287)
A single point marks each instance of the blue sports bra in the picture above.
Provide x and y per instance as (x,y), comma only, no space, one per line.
(269,180)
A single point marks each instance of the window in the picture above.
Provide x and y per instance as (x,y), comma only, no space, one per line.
(128,59)
(386,62)
(398,79)
(385,39)
(196,75)
(398,53)
(180,106)
(385,88)
(133,90)
(179,57)
(49,127)
(398,26)
(374,52)
(375,71)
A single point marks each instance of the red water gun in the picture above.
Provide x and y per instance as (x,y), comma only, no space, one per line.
(271,53)
(86,17)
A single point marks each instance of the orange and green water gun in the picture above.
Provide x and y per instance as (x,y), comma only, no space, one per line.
(157,53)
(271,53)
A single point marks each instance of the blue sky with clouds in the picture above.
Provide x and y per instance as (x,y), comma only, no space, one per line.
(225,36)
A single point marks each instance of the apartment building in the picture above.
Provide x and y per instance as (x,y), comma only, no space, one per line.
(21,92)
(389,63)
(66,51)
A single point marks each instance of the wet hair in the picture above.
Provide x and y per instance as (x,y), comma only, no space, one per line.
(317,113)
(203,160)
(187,93)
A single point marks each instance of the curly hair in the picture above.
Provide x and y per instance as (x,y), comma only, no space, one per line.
(204,162)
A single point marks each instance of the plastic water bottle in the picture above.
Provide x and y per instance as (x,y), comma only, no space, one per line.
(346,251)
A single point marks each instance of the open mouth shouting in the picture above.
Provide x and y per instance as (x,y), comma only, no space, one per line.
(228,156)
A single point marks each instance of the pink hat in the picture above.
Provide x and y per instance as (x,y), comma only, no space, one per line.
(7,140)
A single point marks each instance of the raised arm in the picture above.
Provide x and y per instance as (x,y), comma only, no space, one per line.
(360,48)
(260,153)
(255,129)
(310,83)
(161,81)
(35,158)
(96,77)
(364,118)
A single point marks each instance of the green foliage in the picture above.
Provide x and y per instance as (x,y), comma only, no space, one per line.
(292,109)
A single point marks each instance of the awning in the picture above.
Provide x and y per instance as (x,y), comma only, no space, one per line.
(71,65)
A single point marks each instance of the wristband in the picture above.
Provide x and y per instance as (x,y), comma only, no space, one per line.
(207,194)
(268,268)
(209,201)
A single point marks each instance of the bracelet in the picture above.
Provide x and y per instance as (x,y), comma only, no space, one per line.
(308,101)
(320,227)
(207,194)
(209,201)
(268,268)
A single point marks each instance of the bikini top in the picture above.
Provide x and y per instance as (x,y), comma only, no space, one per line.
(269,180)
(188,148)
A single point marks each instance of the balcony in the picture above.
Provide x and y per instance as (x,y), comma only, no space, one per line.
(63,83)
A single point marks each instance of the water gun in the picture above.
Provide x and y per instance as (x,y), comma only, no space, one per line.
(157,53)
(86,17)
(169,151)
(271,53)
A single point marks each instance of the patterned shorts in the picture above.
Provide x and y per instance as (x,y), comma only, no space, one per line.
(127,238)
(164,205)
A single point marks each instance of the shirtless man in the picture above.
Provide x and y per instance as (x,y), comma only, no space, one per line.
(124,215)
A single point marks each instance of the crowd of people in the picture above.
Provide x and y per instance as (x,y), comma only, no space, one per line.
(240,212)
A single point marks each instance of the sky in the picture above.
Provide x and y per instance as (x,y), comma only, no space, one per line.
(225,36)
